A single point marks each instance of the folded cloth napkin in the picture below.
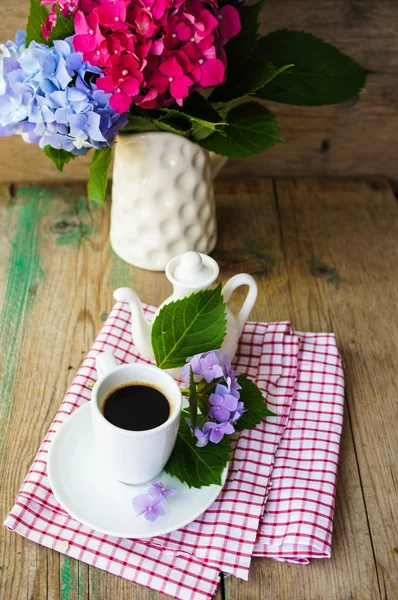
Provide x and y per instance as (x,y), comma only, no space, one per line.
(298,517)
(186,564)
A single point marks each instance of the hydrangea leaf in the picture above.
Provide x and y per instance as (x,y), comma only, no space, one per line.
(174,122)
(197,108)
(255,405)
(193,402)
(251,129)
(321,75)
(63,28)
(98,171)
(197,467)
(195,119)
(188,326)
(36,18)
(240,48)
(59,157)
(137,124)
(252,77)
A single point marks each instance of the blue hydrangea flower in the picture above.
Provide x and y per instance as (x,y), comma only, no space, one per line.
(49,96)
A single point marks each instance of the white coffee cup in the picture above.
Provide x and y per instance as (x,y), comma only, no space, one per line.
(133,456)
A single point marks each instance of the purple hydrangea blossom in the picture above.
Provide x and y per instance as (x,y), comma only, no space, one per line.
(158,490)
(49,96)
(233,385)
(213,432)
(149,506)
(206,365)
(193,363)
(211,368)
(225,407)
(202,437)
(240,409)
(223,403)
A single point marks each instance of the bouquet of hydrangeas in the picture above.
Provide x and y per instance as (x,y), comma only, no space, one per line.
(86,70)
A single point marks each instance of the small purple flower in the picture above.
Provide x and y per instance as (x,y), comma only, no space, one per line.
(233,386)
(149,506)
(211,368)
(223,403)
(240,409)
(206,365)
(158,490)
(217,431)
(226,363)
(203,438)
(228,372)
(194,362)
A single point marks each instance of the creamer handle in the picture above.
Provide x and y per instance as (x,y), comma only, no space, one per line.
(105,363)
(231,285)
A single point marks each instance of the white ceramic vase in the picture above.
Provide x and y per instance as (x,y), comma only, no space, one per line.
(162,198)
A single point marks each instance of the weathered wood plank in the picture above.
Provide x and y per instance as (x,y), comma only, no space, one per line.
(354,227)
(336,244)
(57,274)
(353,139)
(256,237)
(294,237)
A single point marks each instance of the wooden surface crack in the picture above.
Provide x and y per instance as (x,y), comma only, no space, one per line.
(347,404)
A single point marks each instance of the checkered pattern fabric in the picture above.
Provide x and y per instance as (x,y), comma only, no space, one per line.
(278,500)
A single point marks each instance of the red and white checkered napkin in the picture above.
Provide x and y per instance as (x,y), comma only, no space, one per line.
(298,517)
(186,563)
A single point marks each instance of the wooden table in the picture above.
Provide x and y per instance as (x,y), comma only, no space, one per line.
(325,256)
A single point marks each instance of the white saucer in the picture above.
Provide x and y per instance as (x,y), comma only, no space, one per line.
(104,504)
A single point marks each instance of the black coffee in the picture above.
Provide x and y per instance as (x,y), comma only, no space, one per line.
(136,407)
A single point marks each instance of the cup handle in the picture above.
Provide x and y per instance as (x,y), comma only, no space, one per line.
(105,363)
(231,285)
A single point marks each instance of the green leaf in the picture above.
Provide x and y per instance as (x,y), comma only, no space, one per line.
(188,326)
(197,108)
(37,17)
(193,403)
(197,467)
(138,124)
(255,405)
(201,132)
(174,122)
(321,75)
(196,119)
(252,77)
(63,28)
(98,171)
(251,129)
(240,48)
(59,157)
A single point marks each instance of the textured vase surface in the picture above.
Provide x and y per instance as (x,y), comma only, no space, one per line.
(162,199)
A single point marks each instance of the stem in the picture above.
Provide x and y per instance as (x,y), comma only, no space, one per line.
(202,406)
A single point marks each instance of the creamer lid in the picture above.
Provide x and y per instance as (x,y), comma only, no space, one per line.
(192,269)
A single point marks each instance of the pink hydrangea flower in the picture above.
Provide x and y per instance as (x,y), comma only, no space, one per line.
(177,46)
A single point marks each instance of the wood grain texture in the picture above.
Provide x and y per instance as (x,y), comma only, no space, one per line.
(358,138)
(51,309)
(324,254)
